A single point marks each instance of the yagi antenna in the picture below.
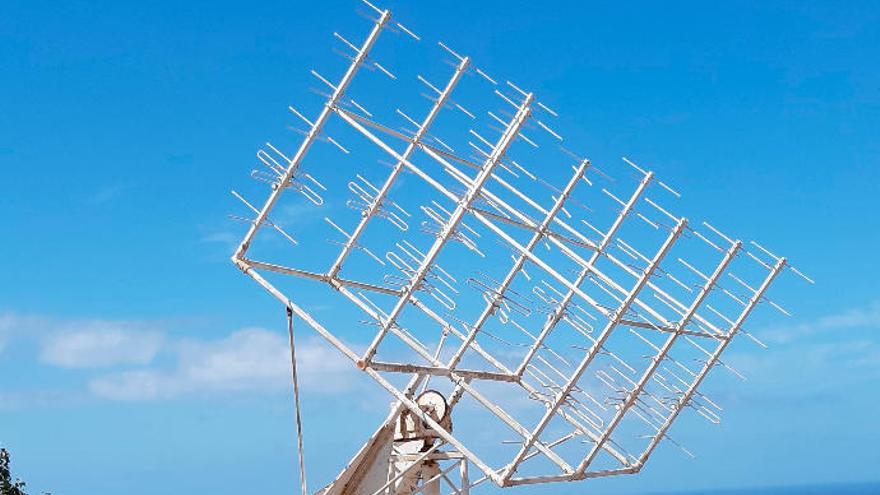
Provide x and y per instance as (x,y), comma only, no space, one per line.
(579,313)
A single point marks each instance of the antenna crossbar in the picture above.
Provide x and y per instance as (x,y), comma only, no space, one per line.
(526,273)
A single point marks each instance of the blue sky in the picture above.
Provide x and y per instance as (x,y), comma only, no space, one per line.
(124,125)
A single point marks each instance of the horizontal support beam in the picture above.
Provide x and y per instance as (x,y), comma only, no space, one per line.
(334,281)
(533,480)
(666,329)
(442,371)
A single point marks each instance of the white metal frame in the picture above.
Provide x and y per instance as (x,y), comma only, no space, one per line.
(557,387)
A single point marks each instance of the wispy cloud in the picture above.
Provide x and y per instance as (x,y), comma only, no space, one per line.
(250,360)
(228,240)
(100,343)
(844,339)
(228,237)
(83,343)
(26,399)
(151,363)
(106,194)
(300,213)
(866,317)
(5,332)
(813,360)
(13,324)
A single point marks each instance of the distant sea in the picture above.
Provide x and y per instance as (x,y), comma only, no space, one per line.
(840,489)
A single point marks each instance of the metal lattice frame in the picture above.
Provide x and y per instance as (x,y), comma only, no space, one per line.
(613,288)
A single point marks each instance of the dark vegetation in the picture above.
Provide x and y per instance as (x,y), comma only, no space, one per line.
(7,485)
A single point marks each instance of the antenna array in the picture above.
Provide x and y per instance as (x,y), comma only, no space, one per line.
(481,256)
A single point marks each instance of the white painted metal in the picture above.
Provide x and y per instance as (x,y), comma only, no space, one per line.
(564,328)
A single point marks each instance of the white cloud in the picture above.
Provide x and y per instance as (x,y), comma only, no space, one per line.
(99,343)
(869,359)
(5,331)
(12,325)
(247,361)
(851,319)
(84,343)
(250,360)
(131,385)
(299,213)
(247,358)
(228,240)
(815,359)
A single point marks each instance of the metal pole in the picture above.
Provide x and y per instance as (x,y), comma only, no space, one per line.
(411,147)
(296,406)
(600,341)
(661,354)
(312,134)
(712,360)
(452,224)
(585,271)
(518,264)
